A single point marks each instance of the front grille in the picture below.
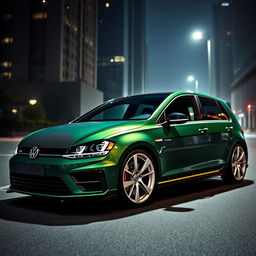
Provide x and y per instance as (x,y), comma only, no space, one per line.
(43,151)
(37,184)
(90,181)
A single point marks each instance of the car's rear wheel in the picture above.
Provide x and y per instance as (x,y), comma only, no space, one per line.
(138,177)
(237,166)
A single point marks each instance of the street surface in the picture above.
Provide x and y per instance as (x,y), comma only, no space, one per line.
(199,218)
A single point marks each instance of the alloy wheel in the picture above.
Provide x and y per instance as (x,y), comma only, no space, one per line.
(138,178)
(238,163)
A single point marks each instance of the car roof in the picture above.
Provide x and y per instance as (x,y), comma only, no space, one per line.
(168,94)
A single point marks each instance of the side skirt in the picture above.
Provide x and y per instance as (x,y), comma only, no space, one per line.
(199,175)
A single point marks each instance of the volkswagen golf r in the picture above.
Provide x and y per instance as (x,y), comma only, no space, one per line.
(129,146)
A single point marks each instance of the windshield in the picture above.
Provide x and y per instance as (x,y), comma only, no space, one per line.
(134,107)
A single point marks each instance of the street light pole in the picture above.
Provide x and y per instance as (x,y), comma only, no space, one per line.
(209,56)
(196,85)
(196,82)
(197,36)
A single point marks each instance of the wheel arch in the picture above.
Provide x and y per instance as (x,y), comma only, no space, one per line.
(146,147)
(237,142)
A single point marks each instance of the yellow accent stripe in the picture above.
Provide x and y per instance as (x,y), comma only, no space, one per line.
(191,176)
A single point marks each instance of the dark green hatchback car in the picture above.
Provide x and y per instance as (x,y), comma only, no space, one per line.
(129,146)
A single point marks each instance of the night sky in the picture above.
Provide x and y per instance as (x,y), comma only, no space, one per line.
(172,54)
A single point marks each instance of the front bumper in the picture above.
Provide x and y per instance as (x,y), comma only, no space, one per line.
(63,178)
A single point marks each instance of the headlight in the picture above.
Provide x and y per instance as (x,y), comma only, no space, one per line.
(91,149)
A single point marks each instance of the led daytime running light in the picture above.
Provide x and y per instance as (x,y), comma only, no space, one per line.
(93,149)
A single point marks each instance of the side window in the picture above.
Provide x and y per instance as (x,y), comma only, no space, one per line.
(185,105)
(211,110)
(223,113)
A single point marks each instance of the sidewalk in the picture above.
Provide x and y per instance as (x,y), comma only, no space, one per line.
(250,134)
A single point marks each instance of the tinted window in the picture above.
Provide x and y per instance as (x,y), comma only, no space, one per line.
(116,112)
(133,107)
(185,105)
(211,110)
(223,112)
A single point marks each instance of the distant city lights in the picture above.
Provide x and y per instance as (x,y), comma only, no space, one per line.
(14,110)
(118,59)
(32,102)
(7,40)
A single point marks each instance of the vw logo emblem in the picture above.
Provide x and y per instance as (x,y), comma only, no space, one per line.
(33,153)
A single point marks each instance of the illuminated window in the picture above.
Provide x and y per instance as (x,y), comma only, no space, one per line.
(225,4)
(39,15)
(119,59)
(6,64)
(7,40)
(7,75)
(107,5)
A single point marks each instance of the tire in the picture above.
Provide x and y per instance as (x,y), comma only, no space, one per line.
(237,166)
(137,179)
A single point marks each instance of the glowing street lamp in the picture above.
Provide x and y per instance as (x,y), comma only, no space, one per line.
(32,102)
(192,79)
(197,35)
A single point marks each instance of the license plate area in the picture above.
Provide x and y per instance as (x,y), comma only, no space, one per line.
(32,169)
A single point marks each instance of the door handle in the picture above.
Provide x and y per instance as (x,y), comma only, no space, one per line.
(228,128)
(203,130)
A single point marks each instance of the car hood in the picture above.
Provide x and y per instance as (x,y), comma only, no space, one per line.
(66,135)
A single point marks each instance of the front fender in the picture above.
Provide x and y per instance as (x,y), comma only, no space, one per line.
(127,142)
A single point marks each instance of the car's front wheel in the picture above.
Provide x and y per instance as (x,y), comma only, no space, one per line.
(138,177)
(237,166)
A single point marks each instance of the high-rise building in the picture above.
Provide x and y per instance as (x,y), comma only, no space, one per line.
(222,50)
(243,87)
(121,47)
(48,49)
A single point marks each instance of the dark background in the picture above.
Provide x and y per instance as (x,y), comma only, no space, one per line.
(70,56)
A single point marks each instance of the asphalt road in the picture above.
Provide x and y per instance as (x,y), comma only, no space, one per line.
(199,218)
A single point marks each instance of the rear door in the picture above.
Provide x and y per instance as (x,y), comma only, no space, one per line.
(219,129)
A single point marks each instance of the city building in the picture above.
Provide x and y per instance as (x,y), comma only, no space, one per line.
(121,47)
(221,69)
(243,87)
(48,51)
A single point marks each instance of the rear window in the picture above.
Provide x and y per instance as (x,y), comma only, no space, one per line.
(212,110)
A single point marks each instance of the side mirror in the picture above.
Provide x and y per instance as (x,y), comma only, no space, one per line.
(177,118)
